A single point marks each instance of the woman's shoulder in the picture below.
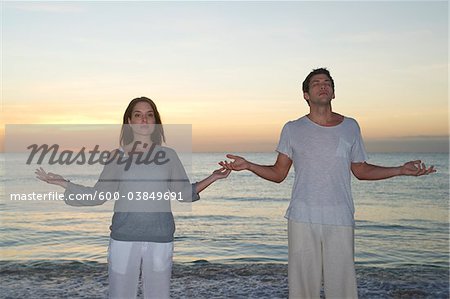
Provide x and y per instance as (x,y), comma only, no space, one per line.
(114,154)
(168,150)
(116,151)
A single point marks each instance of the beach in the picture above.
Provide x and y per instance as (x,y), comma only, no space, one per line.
(201,279)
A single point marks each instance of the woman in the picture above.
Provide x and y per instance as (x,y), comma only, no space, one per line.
(142,225)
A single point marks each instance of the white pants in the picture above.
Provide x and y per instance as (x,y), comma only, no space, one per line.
(124,266)
(321,251)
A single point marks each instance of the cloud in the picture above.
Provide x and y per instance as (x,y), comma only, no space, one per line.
(384,36)
(56,7)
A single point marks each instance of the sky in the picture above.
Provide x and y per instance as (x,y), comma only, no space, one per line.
(231,70)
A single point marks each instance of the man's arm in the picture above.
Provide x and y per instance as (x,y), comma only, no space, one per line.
(365,171)
(275,173)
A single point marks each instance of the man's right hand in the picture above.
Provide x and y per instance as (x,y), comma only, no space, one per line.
(238,163)
(275,173)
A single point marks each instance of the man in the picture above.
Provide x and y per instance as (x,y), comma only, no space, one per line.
(325,147)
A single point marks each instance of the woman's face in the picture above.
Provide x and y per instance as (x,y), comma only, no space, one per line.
(142,118)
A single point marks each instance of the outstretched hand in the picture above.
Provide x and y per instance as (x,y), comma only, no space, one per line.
(51,178)
(237,164)
(221,173)
(416,168)
(216,175)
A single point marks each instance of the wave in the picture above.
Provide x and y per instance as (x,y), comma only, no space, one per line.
(258,199)
(202,279)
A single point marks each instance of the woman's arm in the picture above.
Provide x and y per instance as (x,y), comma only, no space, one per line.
(216,175)
(108,182)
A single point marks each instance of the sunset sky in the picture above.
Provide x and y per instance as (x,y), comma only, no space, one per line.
(231,69)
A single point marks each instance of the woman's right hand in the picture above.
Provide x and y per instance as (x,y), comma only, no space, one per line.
(51,178)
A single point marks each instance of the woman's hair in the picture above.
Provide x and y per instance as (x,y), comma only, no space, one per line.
(126,134)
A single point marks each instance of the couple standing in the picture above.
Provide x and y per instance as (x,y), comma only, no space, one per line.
(325,148)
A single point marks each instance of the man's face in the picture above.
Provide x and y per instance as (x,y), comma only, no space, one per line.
(320,90)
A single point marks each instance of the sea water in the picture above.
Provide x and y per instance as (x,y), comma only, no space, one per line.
(233,244)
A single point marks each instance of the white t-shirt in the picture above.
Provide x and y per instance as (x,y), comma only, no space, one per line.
(322,158)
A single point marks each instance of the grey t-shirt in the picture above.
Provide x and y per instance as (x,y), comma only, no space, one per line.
(322,158)
(150,218)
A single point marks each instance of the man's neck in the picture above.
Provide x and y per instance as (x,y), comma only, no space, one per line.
(324,116)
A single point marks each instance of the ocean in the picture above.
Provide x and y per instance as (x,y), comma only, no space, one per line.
(233,244)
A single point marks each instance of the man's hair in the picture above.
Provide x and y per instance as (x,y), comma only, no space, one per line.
(318,71)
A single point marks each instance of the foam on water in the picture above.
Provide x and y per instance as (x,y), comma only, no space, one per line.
(201,279)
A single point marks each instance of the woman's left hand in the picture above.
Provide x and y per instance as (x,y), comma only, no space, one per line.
(221,173)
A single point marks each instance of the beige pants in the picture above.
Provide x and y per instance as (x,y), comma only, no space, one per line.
(321,251)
